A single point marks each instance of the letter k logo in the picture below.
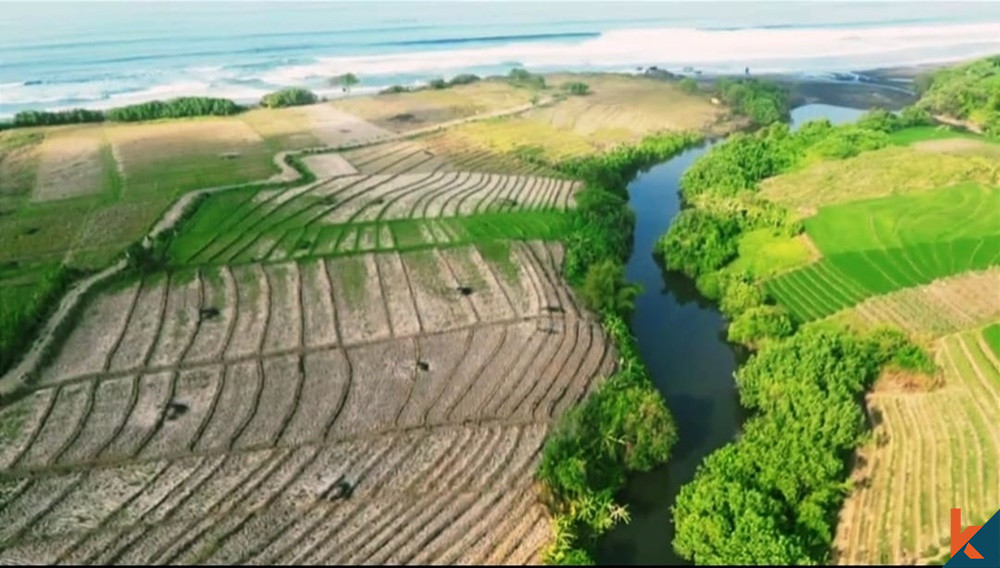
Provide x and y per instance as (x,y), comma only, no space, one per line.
(960,537)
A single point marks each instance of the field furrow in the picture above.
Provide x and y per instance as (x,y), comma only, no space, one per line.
(61,427)
(325,381)
(276,402)
(180,321)
(358,300)
(403,315)
(22,421)
(154,392)
(187,412)
(284,326)
(113,400)
(381,380)
(216,316)
(485,344)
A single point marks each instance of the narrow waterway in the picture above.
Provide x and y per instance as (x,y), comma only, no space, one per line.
(681,337)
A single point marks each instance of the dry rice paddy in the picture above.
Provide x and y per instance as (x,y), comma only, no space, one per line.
(209,415)
(931,451)
(72,164)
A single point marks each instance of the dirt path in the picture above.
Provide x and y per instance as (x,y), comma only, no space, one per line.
(18,375)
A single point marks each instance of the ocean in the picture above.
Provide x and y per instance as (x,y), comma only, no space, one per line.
(56,55)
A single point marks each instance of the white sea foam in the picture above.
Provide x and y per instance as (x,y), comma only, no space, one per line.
(779,50)
(788,50)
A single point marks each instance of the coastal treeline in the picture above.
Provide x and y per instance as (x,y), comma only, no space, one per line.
(968,92)
(180,107)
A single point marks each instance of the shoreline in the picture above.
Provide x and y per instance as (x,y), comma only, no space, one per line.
(884,86)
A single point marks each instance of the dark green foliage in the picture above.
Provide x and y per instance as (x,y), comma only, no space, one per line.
(45,118)
(970,91)
(780,485)
(623,427)
(346,81)
(760,323)
(688,85)
(524,78)
(605,289)
(23,314)
(894,348)
(463,79)
(602,221)
(292,96)
(437,84)
(174,108)
(577,88)
(763,102)
(394,90)
(850,141)
(698,241)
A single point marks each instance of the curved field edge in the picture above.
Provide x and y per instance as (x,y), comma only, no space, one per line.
(293,172)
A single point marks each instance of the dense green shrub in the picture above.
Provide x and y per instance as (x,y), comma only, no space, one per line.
(688,85)
(763,102)
(394,90)
(577,88)
(605,289)
(773,495)
(292,96)
(23,314)
(970,91)
(698,241)
(174,108)
(46,118)
(622,427)
(524,78)
(760,323)
(437,84)
(463,79)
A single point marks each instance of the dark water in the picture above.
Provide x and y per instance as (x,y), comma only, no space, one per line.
(681,337)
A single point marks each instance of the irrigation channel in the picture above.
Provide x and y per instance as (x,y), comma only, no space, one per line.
(681,336)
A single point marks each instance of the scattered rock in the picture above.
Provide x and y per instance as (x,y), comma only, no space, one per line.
(341,490)
(229,155)
(423,365)
(465,290)
(554,309)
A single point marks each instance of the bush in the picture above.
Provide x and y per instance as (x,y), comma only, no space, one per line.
(773,495)
(180,107)
(463,79)
(437,84)
(292,96)
(688,85)
(44,118)
(763,102)
(698,241)
(394,90)
(523,78)
(760,323)
(577,88)
(606,290)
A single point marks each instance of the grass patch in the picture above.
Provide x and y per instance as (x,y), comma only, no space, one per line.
(908,136)
(879,246)
(498,254)
(992,336)
(764,253)
(354,276)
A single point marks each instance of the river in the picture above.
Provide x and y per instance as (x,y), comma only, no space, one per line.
(681,337)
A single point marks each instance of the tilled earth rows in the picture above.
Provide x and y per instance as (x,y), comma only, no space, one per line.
(215,415)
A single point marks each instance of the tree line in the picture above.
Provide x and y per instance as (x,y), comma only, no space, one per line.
(625,425)
(180,107)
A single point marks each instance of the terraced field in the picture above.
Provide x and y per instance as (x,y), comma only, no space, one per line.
(373,212)
(944,306)
(879,246)
(932,451)
(208,415)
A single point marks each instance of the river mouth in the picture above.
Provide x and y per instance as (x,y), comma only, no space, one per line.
(681,337)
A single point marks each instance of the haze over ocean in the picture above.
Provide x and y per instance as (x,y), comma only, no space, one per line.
(98,55)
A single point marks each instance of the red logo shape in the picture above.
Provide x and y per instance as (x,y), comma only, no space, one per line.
(960,538)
